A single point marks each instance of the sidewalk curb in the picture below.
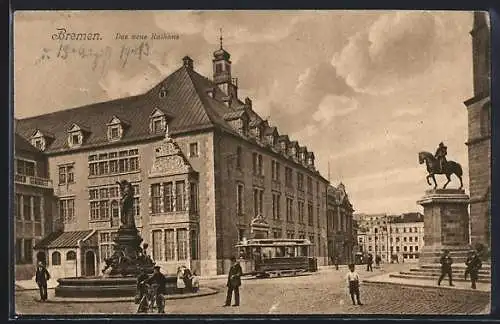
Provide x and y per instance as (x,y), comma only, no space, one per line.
(63,300)
(374,282)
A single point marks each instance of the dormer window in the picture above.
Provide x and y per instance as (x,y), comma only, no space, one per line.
(116,128)
(41,140)
(76,135)
(162,93)
(158,122)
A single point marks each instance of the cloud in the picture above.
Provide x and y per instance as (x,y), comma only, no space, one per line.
(117,85)
(372,143)
(332,106)
(395,47)
(407,112)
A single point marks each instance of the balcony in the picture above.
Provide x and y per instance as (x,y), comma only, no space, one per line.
(33,181)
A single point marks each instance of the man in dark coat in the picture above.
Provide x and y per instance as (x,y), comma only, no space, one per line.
(446,262)
(234,283)
(140,285)
(41,278)
(369,262)
(473,264)
(159,279)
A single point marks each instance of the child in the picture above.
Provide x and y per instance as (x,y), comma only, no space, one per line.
(353,281)
(195,282)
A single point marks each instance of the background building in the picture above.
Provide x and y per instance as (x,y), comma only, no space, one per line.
(204,166)
(34,205)
(479,130)
(341,240)
(388,235)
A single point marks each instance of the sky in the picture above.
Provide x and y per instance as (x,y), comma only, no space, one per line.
(364,90)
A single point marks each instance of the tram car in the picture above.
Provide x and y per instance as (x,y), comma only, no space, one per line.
(264,258)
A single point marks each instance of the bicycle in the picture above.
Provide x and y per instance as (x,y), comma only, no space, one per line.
(148,303)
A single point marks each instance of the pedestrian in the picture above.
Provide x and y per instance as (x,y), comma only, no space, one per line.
(369,263)
(473,264)
(140,285)
(159,279)
(180,280)
(195,282)
(234,283)
(377,260)
(336,261)
(446,262)
(42,275)
(353,282)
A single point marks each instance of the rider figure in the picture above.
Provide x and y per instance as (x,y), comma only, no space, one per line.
(159,279)
(441,155)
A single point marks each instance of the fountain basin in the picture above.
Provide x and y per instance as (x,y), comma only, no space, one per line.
(105,287)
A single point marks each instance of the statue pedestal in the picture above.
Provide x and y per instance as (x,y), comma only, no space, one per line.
(446,225)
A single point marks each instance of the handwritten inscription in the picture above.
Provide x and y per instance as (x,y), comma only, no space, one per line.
(63,35)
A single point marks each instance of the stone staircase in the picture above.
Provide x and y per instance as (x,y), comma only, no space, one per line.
(433,271)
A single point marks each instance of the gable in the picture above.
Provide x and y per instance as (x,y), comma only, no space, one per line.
(169,160)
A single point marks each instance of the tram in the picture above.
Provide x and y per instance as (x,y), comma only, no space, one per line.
(276,257)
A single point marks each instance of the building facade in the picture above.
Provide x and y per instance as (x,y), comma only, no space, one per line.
(339,215)
(389,236)
(34,205)
(479,130)
(204,166)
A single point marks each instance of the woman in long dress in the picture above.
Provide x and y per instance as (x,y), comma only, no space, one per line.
(180,280)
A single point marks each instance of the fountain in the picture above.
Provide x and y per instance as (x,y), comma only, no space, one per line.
(123,267)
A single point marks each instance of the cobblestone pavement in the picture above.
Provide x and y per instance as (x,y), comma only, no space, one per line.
(322,293)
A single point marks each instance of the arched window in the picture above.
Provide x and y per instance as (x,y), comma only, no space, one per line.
(56,258)
(71,255)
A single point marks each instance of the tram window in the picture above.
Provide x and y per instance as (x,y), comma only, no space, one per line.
(280,251)
(267,253)
(290,252)
(303,251)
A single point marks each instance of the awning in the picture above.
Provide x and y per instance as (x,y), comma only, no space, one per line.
(63,239)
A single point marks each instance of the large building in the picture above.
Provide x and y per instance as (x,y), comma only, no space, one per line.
(390,235)
(34,205)
(204,165)
(479,129)
(341,238)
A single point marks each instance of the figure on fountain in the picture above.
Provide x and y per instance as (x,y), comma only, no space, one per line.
(127,204)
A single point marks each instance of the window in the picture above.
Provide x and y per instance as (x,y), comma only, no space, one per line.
(416,238)
(194,245)
(218,68)
(416,248)
(405,248)
(309,185)
(37,208)
(182,243)
(157,126)
(405,239)
(115,213)
(318,214)
(193,150)
(27,207)
(301,212)
(180,196)
(39,143)
(114,132)
(239,157)
(75,139)
(241,234)
(239,198)
(168,197)
(28,250)
(276,206)
(113,162)
(310,216)
(300,181)
(289,209)
(275,170)
(193,197)
(257,164)
(104,203)
(67,210)
(71,255)
(106,244)
(26,168)
(397,248)
(411,248)
(288,177)
(155,198)
(162,93)
(169,245)
(56,258)
(258,195)
(411,239)
(157,238)
(17,206)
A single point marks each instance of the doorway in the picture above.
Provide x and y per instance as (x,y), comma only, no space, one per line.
(41,257)
(90,263)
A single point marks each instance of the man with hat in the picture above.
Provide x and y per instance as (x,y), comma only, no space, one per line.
(446,262)
(234,283)
(159,279)
(41,278)
(473,264)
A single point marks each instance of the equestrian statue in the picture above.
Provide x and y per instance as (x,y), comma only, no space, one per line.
(437,164)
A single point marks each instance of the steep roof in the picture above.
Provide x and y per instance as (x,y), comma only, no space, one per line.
(21,144)
(187,106)
(62,239)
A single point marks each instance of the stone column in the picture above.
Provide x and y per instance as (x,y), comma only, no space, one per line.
(446,225)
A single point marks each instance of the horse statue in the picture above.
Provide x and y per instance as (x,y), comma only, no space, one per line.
(433,168)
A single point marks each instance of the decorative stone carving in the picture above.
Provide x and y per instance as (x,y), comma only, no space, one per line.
(169,160)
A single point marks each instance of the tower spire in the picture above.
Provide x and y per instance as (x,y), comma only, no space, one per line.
(220,38)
